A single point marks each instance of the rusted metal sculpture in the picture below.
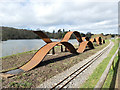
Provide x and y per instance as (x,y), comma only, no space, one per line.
(93,40)
(43,36)
(42,52)
(98,40)
(46,39)
(85,38)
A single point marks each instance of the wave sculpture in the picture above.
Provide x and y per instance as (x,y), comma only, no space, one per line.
(43,51)
(46,39)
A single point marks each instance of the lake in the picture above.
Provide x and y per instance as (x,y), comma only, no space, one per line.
(10,47)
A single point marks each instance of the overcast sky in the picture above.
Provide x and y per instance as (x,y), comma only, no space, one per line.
(74,15)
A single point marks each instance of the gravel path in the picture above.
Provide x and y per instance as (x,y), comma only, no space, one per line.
(81,78)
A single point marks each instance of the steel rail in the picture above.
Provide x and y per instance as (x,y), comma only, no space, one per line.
(84,67)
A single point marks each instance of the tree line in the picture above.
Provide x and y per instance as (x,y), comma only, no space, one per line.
(13,33)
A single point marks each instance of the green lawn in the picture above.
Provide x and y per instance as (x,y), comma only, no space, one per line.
(32,51)
(94,78)
(111,78)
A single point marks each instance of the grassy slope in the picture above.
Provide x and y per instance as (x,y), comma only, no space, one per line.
(15,57)
(109,83)
(32,51)
(33,78)
(94,78)
(111,78)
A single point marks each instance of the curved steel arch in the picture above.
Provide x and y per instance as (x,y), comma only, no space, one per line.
(103,41)
(42,52)
(46,39)
(43,36)
(69,34)
(83,46)
(85,39)
(93,40)
(98,40)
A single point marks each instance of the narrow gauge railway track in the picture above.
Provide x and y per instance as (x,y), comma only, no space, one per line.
(70,77)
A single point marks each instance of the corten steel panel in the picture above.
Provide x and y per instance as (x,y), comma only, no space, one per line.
(85,38)
(90,45)
(78,36)
(103,41)
(46,39)
(68,35)
(43,36)
(83,46)
(70,47)
(92,40)
(39,56)
(98,40)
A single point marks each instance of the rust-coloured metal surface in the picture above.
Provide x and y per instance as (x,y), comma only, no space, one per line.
(85,39)
(83,46)
(98,40)
(39,56)
(46,39)
(93,40)
(43,36)
(42,52)
(68,35)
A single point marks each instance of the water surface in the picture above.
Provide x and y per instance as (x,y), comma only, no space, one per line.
(10,47)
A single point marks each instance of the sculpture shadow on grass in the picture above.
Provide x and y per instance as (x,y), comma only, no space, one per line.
(46,62)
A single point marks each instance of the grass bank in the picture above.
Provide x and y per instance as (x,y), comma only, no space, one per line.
(111,78)
(32,51)
(49,67)
(94,78)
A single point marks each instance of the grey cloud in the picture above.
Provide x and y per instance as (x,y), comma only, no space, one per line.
(73,15)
